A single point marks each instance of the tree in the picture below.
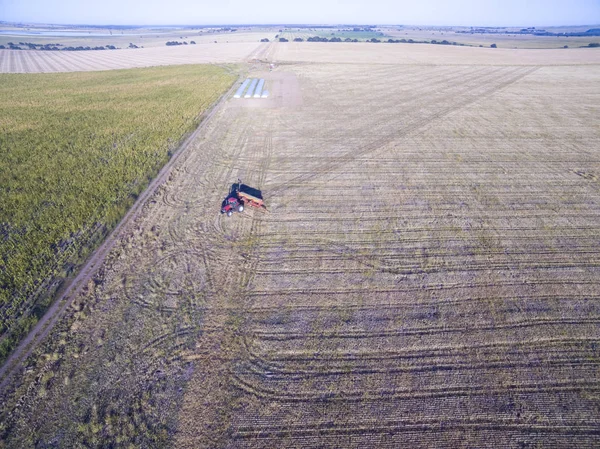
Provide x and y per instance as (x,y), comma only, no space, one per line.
(493,46)
(264,39)
(283,39)
(192,42)
(298,39)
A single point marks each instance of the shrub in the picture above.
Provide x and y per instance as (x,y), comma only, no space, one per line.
(493,46)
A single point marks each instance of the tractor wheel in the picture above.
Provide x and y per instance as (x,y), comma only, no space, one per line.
(241,208)
(229,213)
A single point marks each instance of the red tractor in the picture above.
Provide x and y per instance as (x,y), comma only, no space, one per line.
(239,196)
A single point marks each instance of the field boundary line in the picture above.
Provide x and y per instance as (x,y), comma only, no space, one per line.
(97,257)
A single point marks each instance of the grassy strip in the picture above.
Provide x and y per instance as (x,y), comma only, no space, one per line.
(75,151)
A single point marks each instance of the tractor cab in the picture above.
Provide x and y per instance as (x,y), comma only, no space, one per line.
(231,204)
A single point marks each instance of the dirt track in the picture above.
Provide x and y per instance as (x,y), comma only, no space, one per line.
(428,273)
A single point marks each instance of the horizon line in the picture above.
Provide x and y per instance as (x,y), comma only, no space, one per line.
(283,24)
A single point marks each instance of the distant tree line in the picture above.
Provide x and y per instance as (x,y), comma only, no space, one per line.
(390,41)
(172,43)
(445,42)
(52,47)
(375,41)
(531,30)
(333,39)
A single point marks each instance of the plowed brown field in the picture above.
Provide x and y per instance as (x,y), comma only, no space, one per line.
(428,274)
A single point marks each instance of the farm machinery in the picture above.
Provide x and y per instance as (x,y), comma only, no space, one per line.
(240,196)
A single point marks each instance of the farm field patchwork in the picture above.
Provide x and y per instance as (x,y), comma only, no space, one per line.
(407,54)
(460,35)
(143,38)
(76,151)
(32,61)
(525,41)
(428,273)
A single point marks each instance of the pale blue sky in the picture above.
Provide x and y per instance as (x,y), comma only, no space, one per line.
(408,12)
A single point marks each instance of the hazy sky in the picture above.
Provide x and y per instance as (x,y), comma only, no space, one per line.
(409,12)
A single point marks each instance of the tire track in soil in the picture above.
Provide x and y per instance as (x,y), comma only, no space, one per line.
(429,330)
(258,311)
(413,127)
(219,345)
(364,125)
(262,356)
(414,426)
(266,374)
(386,395)
(417,125)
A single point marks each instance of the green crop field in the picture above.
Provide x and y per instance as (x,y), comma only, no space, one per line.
(75,151)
